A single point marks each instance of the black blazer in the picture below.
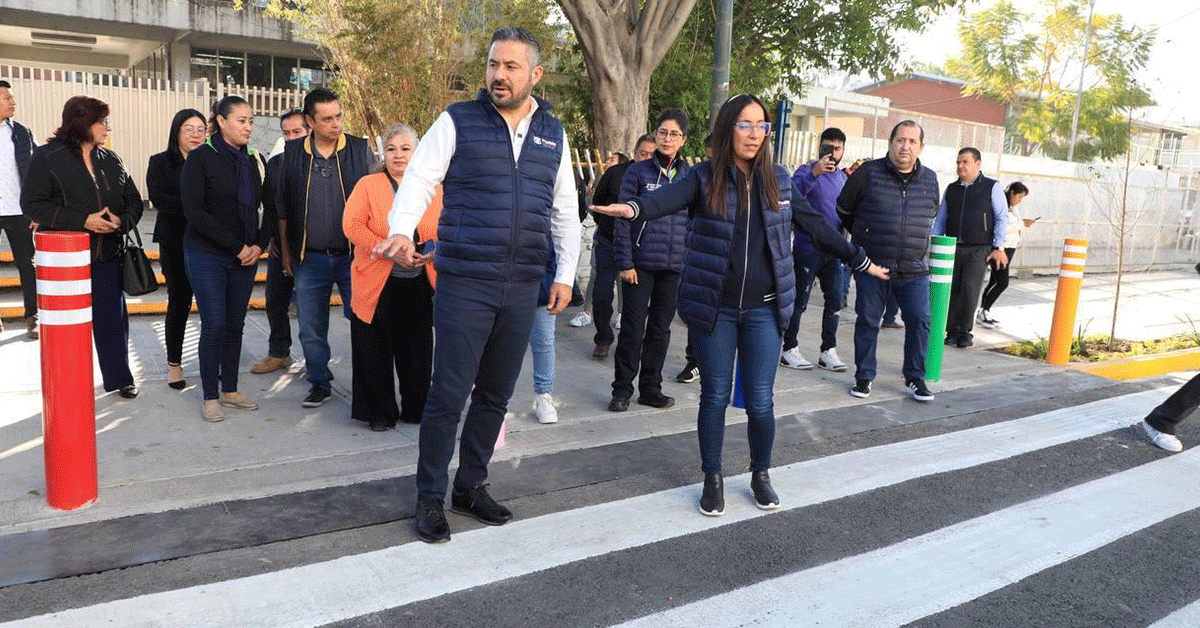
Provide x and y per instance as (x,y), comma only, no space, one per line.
(162,185)
(214,223)
(58,193)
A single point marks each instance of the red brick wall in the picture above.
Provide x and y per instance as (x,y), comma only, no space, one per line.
(944,100)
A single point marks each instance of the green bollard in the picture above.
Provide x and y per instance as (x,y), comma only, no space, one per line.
(941,272)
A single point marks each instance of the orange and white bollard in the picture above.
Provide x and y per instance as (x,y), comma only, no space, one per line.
(64,292)
(1066,303)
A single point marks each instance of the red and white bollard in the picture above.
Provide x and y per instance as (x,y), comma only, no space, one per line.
(64,292)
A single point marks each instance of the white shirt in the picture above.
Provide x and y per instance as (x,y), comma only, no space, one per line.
(10,177)
(428,167)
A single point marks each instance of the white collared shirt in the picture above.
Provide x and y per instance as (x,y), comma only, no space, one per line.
(428,166)
(10,177)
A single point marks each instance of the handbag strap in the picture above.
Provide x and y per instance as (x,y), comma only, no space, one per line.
(133,237)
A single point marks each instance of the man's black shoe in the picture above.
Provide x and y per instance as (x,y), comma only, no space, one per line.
(618,404)
(964,342)
(316,397)
(656,401)
(432,526)
(475,502)
(764,496)
(689,374)
(128,392)
(712,501)
(862,388)
(919,390)
(951,341)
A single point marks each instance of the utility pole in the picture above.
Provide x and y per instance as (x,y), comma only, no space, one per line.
(1087,43)
(722,44)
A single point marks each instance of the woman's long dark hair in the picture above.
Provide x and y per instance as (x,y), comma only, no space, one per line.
(176,124)
(78,116)
(761,168)
(1013,189)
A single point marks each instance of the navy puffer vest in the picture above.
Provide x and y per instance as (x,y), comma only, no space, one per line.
(894,219)
(495,221)
(711,239)
(969,214)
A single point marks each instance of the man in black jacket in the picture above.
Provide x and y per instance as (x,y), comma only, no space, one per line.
(974,210)
(16,145)
(608,188)
(889,205)
(317,175)
(279,285)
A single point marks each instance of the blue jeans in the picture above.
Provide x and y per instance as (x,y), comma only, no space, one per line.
(315,277)
(222,287)
(482,328)
(912,295)
(810,266)
(541,343)
(602,288)
(891,306)
(753,336)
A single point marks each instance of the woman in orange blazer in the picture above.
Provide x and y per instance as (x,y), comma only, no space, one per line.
(392,305)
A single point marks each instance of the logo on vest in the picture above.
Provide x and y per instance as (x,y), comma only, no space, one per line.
(650,187)
(545,142)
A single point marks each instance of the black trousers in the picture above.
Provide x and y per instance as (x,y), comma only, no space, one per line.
(970,261)
(20,240)
(279,296)
(482,329)
(1176,408)
(110,324)
(179,294)
(997,283)
(399,338)
(647,309)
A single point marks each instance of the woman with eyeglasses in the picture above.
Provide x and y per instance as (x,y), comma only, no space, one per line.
(74,183)
(162,183)
(221,247)
(738,286)
(649,255)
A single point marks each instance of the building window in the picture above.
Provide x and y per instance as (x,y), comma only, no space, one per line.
(258,70)
(312,74)
(204,65)
(233,67)
(284,74)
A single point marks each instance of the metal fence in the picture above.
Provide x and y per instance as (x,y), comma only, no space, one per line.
(141,108)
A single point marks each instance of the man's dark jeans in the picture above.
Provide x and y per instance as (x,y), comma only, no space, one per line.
(912,293)
(811,266)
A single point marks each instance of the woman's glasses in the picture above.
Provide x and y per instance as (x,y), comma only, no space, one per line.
(746,127)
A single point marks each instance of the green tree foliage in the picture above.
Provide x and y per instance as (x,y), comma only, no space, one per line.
(1035,71)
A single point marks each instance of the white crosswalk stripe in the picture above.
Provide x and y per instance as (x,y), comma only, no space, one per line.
(1186,617)
(889,586)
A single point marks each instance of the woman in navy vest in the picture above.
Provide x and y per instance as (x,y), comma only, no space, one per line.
(738,286)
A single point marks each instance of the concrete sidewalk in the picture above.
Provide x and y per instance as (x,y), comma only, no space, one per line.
(155,454)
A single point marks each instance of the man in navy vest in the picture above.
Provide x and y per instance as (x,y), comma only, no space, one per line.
(974,210)
(508,192)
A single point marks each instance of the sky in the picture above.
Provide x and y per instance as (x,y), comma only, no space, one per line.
(1171,72)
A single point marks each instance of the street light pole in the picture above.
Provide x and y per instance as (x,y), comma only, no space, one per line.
(722,43)
(1087,43)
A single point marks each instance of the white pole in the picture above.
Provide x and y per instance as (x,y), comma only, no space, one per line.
(1087,42)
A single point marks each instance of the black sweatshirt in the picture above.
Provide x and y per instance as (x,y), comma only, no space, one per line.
(214,220)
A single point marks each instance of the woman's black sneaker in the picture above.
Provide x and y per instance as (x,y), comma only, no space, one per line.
(128,392)
(862,388)
(919,391)
(656,401)
(712,501)
(689,374)
(316,397)
(764,496)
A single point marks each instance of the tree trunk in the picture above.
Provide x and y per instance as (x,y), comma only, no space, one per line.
(622,46)
(1112,335)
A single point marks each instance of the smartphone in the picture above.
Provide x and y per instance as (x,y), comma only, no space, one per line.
(427,247)
(826,150)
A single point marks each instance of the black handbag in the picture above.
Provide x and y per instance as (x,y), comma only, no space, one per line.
(136,271)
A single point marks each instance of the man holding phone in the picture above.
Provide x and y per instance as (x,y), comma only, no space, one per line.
(820,182)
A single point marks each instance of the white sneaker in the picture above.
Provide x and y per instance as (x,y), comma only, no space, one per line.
(793,360)
(581,319)
(1161,440)
(617,322)
(985,320)
(543,407)
(829,360)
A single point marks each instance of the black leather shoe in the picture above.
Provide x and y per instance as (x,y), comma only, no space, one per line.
(764,496)
(128,392)
(712,501)
(475,502)
(618,404)
(381,426)
(432,526)
(964,342)
(656,401)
